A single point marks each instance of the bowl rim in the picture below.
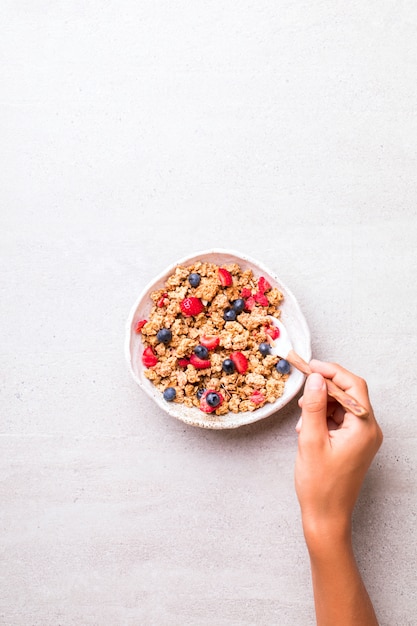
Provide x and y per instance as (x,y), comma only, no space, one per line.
(250,416)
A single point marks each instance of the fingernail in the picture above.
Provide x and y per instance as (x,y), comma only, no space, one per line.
(315,382)
(298,425)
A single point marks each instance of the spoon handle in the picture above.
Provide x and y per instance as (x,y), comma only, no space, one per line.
(347,402)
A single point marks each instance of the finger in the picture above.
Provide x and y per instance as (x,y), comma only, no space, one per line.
(341,376)
(338,415)
(332,405)
(314,412)
(346,380)
(331,424)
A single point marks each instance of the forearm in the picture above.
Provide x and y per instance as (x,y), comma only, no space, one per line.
(340,595)
(335,450)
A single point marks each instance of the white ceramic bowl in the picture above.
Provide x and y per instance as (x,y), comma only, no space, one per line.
(291,316)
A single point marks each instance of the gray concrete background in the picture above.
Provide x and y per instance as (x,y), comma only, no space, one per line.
(134,133)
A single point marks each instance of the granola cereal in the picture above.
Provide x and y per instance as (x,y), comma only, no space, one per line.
(206,339)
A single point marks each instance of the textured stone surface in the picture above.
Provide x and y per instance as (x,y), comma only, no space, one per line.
(134,133)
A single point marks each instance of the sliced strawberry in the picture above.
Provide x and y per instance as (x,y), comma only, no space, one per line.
(149,358)
(240,361)
(225,277)
(205,406)
(162,300)
(263,285)
(139,325)
(250,303)
(191,306)
(183,362)
(245,293)
(200,364)
(273,332)
(210,341)
(261,299)
(257,397)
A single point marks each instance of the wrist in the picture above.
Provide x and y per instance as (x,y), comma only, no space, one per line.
(324,535)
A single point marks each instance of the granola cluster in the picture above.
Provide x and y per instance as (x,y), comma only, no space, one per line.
(204,316)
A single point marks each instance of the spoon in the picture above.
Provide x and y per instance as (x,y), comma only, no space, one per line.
(281,346)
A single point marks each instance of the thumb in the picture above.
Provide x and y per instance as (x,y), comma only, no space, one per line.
(314,412)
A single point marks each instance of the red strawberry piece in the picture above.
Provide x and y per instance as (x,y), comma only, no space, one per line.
(191,306)
(250,303)
(149,358)
(162,300)
(200,364)
(257,397)
(209,341)
(263,285)
(245,293)
(139,325)
(261,299)
(204,406)
(273,332)
(225,277)
(240,361)
(183,362)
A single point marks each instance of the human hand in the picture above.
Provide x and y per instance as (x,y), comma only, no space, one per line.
(335,450)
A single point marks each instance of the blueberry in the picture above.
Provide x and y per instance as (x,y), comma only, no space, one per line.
(164,335)
(200,393)
(194,279)
(201,352)
(238,305)
(283,367)
(228,366)
(229,315)
(169,394)
(213,398)
(264,348)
